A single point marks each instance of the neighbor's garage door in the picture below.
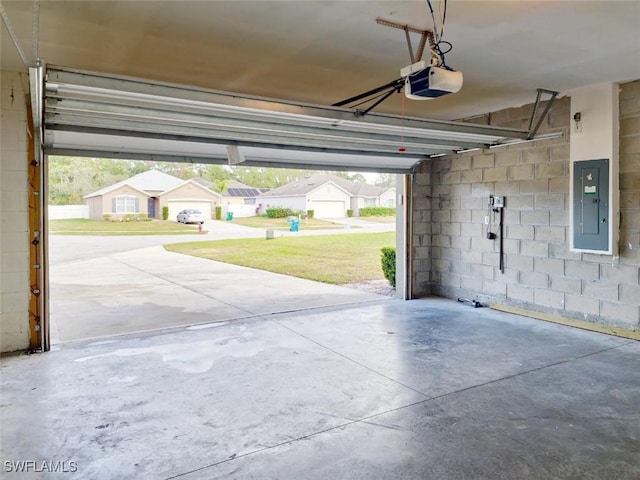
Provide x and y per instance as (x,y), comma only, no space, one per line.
(176,207)
(328,209)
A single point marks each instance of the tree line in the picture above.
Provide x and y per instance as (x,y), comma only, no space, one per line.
(71,178)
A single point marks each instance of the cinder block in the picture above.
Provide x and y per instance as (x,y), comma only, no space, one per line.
(621,312)
(561,283)
(549,201)
(449,253)
(422,178)
(535,248)
(552,169)
(629,90)
(559,185)
(471,176)
(520,293)
(471,230)
(629,218)
(471,283)
(14,181)
(483,190)
(440,240)
(471,256)
(490,258)
(495,288)
(629,126)
(451,178)
(14,282)
(630,144)
(507,188)
(630,200)
(535,155)
(14,201)
(520,202)
(460,190)
(451,229)
(484,271)
(519,262)
(539,185)
(441,215)
(14,242)
(629,294)
(630,181)
(421,252)
(521,172)
(473,203)
(503,157)
(447,203)
(551,234)
(581,304)
(552,266)
(480,243)
(534,279)
(477,216)
(14,302)
(585,271)
(511,217)
(464,243)
(461,216)
(534,217)
(620,274)
(483,161)
(561,250)
(14,263)
(559,152)
(559,218)
(439,190)
(511,247)
(601,290)
(450,279)
(460,162)
(548,298)
(520,232)
(495,174)
(630,163)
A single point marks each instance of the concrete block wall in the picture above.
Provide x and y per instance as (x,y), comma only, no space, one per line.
(14,238)
(453,257)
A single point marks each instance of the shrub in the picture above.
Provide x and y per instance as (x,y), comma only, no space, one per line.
(278,212)
(310,213)
(165,213)
(377,212)
(349,213)
(389,264)
(218,212)
(106,217)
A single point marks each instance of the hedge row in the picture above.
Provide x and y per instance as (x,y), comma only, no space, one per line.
(389,264)
(377,212)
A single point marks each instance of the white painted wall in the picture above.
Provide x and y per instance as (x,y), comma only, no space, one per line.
(61,212)
(597,136)
(14,236)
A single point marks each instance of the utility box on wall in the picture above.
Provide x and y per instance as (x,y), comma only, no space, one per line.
(591,202)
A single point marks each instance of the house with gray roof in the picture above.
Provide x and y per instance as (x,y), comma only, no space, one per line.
(327,195)
(147,193)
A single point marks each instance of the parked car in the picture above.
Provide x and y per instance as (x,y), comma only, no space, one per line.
(190,216)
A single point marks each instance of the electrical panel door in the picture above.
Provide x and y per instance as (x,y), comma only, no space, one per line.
(591,205)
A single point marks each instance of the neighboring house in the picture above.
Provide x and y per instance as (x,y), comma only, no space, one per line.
(147,193)
(327,195)
(238,193)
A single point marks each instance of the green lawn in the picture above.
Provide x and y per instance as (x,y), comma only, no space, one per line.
(81,226)
(283,223)
(336,259)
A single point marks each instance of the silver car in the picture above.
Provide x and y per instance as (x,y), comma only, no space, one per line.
(190,216)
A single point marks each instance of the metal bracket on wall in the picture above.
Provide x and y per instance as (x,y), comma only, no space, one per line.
(534,129)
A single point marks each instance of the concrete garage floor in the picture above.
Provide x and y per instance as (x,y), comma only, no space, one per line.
(427,389)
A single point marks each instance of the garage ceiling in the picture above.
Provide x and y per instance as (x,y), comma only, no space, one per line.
(322,52)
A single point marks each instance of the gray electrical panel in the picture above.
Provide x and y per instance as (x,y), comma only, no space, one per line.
(591,205)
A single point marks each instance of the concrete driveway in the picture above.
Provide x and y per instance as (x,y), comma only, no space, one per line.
(102,286)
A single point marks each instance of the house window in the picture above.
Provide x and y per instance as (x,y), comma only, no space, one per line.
(369,202)
(125,204)
(391,202)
